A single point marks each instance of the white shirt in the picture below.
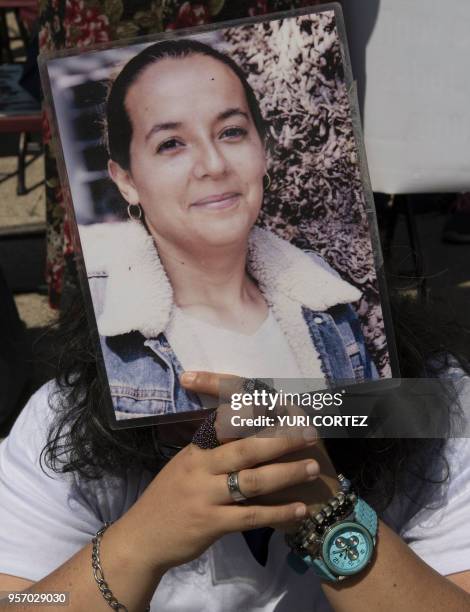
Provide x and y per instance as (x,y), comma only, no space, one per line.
(202,346)
(45,518)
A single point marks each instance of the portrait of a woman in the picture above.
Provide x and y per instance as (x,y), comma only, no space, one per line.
(190,282)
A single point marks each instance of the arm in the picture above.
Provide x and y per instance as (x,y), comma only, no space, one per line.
(397,578)
(461,579)
(13,583)
(134,583)
(182,512)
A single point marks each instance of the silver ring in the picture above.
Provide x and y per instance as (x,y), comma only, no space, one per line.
(234,488)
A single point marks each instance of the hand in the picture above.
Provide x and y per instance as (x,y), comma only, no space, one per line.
(315,494)
(188,505)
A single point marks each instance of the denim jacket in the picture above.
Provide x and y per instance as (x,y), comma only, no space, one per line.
(133,300)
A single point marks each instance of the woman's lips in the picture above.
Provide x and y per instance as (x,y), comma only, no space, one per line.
(218,201)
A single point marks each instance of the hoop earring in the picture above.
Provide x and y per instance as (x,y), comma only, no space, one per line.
(131,216)
(267,181)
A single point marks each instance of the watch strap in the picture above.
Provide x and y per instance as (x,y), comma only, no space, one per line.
(366,516)
(320,568)
(300,565)
(296,563)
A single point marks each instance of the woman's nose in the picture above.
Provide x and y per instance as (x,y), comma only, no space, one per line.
(210,161)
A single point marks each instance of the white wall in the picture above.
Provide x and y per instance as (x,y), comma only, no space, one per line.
(416,98)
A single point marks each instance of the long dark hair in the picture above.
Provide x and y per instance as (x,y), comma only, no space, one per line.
(118,127)
(81,440)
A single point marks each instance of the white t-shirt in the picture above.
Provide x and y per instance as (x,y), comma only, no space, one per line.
(202,346)
(46,517)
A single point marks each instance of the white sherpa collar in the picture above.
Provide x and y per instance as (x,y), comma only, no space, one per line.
(139,297)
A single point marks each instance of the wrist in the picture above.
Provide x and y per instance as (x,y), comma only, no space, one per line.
(324,488)
(135,553)
(123,581)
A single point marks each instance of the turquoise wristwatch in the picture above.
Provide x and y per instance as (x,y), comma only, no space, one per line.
(338,541)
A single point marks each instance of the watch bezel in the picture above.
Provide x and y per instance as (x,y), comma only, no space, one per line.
(330,533)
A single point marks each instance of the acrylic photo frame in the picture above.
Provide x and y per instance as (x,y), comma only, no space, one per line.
(333,215)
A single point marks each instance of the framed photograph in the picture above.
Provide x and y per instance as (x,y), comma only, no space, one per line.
(224,218)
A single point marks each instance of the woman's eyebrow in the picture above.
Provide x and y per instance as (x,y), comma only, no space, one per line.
(174,125)
(230,112)
(160,127)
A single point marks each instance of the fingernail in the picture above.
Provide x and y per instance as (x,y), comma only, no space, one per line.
(312,468)
(188,377)
(309,434)
(300,511)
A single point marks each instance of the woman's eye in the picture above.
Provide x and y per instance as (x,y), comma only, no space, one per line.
(234,133)
(169,145)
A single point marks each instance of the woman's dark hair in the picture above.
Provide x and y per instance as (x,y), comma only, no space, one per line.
(81,440)
(118,123)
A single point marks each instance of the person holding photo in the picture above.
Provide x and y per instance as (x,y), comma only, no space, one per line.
(146,519)
(175,541)
(190,273)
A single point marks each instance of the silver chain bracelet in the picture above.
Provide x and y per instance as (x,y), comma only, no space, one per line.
(99,575)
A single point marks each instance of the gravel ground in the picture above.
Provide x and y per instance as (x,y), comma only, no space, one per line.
(34,309)
(25,210)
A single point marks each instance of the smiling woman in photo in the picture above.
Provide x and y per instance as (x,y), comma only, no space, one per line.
(190,274)
(173,517)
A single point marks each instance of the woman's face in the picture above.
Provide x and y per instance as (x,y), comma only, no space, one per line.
(197,160)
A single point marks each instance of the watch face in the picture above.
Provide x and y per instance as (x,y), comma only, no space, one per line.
(347,548)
